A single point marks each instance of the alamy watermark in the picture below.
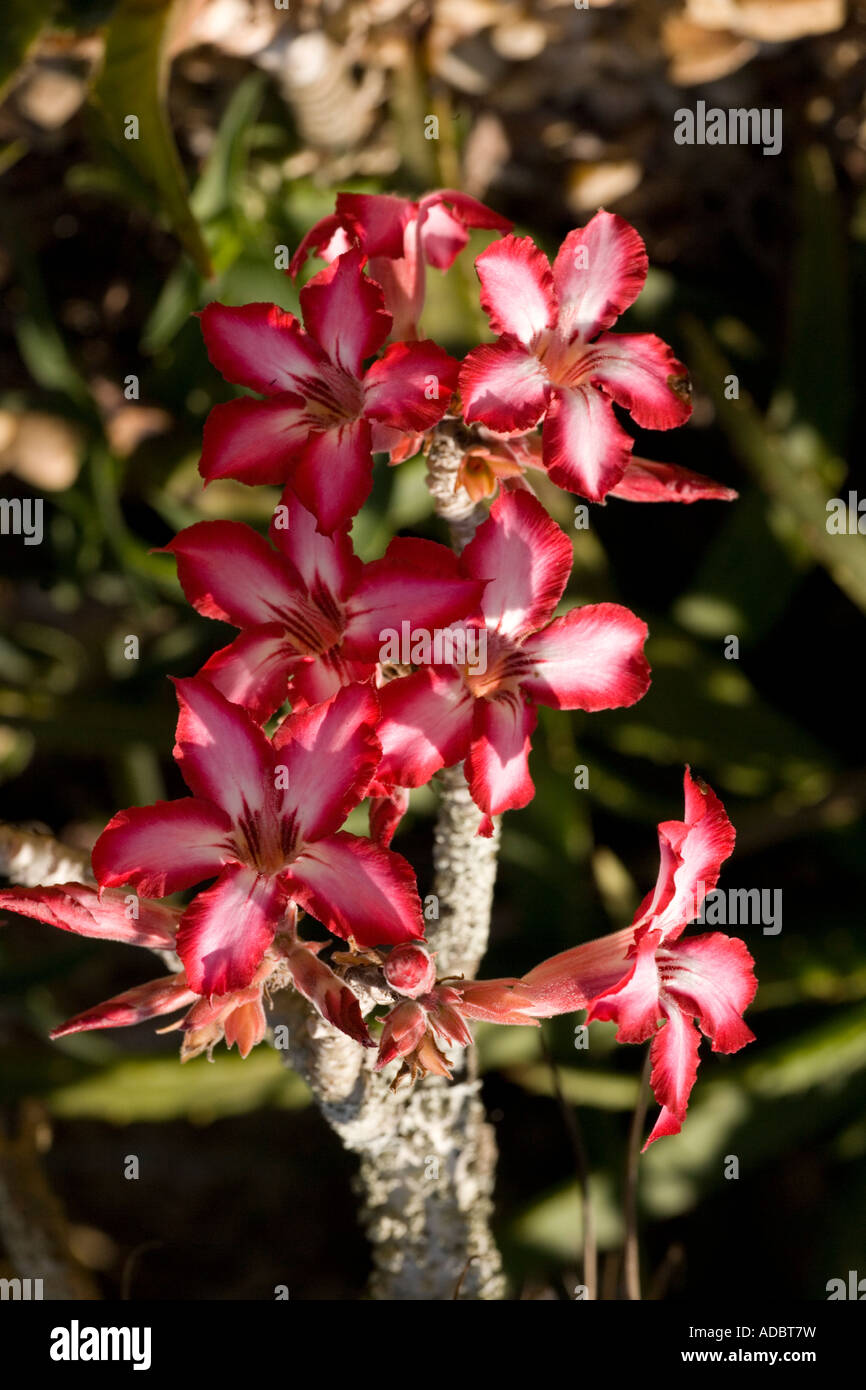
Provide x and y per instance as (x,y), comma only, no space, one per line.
(463,646)
(736,126)
(739,907)
(22,518)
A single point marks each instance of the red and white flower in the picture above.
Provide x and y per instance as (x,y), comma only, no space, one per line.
(591,659)
(264,818)
(400,237)
(322,415)
(651,980)
(311,613)
(556,361)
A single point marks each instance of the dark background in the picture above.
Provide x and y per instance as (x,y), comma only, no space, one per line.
(758,271)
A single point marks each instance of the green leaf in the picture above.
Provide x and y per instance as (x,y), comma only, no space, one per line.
(214,192)
(554,1224)
(160,1088)
(133,84)
(790,466)
(601,1089)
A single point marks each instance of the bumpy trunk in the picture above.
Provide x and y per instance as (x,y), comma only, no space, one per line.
(427,1157)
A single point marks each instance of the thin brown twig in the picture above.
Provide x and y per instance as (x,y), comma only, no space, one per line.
(631,1247)
(581,1163)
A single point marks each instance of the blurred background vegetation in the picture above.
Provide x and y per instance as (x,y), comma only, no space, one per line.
(251,116)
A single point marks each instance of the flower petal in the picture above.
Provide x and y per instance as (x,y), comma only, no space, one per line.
(345,312)
(498,1001)
(647,481)
(222,754)
(466,210)
(497,767)
(330,752)
(78,908)
(586,450)
(712,978)
(634,1002)
(357,889)
(226,930)
(526,559)
(259,346)
(693,851)
(254,670)
(403,284)
(443,236)
(674,1055)
(318,680)
(386,813)
(504,386)
(163,848)
(643,376)
(411,386)
(331,998)
(592,658)
(326,564)
(377,219)
(229,572)
(245,1025)
(334,474)
(517,289)
(426,724)
(599,271)
(402,1031)
(327,239)
(253,441)
(136,1005)
(571,979)
(415,580)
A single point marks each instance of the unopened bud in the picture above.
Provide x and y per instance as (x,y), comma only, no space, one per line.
(410,970)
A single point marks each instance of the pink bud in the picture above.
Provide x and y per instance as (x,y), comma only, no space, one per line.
(410,970)
(402,1030)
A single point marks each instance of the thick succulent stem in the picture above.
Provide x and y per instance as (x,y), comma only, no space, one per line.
(427,1156)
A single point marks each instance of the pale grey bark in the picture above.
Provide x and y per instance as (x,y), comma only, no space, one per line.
(427,1156)
(35,861)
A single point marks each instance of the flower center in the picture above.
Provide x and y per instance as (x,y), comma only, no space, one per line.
(567,364)
(506,667)
(333,397)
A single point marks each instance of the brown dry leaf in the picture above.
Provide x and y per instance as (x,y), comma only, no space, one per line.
(485,154)
(769,21)
(593,186)
(697,54)
(44,450)
(50,95)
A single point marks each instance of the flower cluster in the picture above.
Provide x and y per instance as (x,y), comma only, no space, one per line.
(304,716)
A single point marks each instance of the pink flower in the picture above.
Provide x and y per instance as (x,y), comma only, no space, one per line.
(555,359)
(591,659)
(238,1016)
(399,236)
(264,817)
(322,415)
(647,976)
(310,611)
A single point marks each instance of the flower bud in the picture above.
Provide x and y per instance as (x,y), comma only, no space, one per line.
(402,1030)
(409,969)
